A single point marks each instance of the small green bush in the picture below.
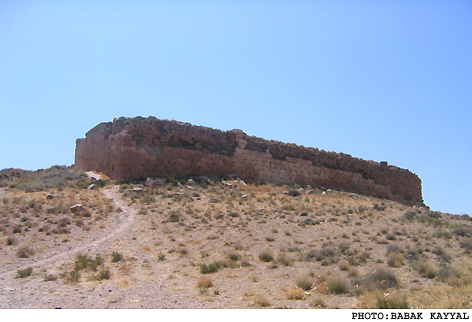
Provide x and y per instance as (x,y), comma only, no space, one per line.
(211,268)
(284,260)
(266,256)
(426,269)
(22,273)
(382,278)
(24,252)
(73,277)
(391,302)
(409,215)
(11,241)
(50,278)
(116,257)
(395,259)
(305,283)
(234,257)
(83,261)
(104,274)
(337,286)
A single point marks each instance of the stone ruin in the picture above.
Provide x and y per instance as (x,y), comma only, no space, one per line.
(129,149)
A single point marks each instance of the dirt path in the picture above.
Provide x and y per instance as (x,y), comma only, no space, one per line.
(34,292)
(118,226)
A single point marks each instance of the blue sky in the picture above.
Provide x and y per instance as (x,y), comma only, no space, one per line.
(380,80)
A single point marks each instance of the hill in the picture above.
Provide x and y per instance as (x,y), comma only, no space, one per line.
(82,241)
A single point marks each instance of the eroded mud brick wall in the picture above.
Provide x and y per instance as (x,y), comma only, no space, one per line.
(130,149)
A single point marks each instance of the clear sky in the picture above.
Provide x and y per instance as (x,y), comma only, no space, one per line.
(379,80)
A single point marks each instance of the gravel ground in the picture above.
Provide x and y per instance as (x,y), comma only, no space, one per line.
(33,292)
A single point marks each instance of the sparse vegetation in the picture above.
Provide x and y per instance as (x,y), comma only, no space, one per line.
(204,282)
(255,237)
(50,278)
(391,302)
(296,294)
(210,268)
(24,252)
(83,261)
(382,278)
(24,272)
(337,285)
(261,300)
(305,283)
(104,274)
(266,256)
(116,257)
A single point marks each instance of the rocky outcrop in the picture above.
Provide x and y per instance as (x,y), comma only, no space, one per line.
(132,149)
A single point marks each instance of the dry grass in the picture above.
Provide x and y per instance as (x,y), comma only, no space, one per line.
(296,294)
(204,282)
(345,251)
(261,300)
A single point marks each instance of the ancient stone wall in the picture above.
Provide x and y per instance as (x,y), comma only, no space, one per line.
(131,149)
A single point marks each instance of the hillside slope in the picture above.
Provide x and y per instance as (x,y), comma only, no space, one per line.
(226,244)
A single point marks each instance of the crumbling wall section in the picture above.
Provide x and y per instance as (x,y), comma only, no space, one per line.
(131,149)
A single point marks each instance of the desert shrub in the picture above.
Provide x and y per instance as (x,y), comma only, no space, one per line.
(344,247)
(382,278)
(380,207)
(305,283)
(442,254)
(344,265)
(431,221)
(54,177)
(326,255)
(391,302)
(463,231)
(50,278)
(266,256)
(295,294)
(174,216)
(434,214)
(234,257)
(414,253)
(395,259)
(356,260)
(24,252)
(467,246)
(123,187)
(337,285)
(11,241)
(116,257)
(161,256)
(22,273)
(204,282)
(284,259)
(72,277)
(149,199)
(394,248)
(261,300)
(83,261)
(442,233)
(426,269)
(211,268)
(409,215)
(104,274)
